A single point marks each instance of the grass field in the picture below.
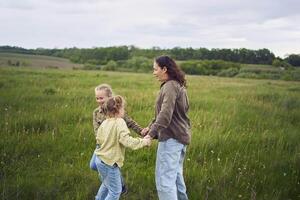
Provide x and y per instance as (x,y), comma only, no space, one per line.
(36,61)
(245,136)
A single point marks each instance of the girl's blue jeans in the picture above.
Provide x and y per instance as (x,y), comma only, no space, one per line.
(169,170)
(92,161)
(93,165)
(111,185)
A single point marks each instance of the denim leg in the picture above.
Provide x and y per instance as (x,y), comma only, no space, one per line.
(102,170)
(93,165)
(124,187)
(181,188)
(102,192)
(111,186)
(169,155)
(114,184)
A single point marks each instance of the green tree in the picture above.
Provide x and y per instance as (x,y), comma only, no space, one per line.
(293,59)
(110,66)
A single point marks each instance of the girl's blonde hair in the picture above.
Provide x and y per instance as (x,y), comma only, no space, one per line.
(113,105)
(106,88)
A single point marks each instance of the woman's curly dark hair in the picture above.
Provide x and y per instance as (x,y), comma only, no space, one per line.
(173,70)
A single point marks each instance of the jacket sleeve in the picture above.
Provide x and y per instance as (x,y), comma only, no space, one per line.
(132,124)
(152,122)
(128,141)
(163,118)
(95,122)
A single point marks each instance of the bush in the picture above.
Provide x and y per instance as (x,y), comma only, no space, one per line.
(193,68)
(293,59)
(246,75)
(93,62)
(139,64)
(25,63)
(13,63)
(110,66)
(291,76)
(231,72)
(279,63)
(274,76)
(90,67)
(207,67)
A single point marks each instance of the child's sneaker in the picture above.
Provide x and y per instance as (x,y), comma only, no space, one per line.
(124,190)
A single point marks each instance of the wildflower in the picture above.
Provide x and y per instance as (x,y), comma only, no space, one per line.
(212,151)
(188,159)
(240,196)
(284,174)
(218,159)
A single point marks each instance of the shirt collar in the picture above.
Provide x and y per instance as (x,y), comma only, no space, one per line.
(100,109)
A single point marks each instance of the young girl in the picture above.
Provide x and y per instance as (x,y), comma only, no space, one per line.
(102,93)
(113,136)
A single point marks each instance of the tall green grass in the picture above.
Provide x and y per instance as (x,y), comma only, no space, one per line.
(245,136)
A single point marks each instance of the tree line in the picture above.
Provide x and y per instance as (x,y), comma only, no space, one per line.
(103,55)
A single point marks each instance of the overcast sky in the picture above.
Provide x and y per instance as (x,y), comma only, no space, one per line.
(255,24)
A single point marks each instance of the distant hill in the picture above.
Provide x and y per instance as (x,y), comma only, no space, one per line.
(143,64)
(37,61)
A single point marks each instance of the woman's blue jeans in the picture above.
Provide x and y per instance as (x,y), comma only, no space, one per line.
(169,170)
(111,185)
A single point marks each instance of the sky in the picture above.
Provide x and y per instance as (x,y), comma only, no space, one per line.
(255,24)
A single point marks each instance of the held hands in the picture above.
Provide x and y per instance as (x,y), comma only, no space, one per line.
(148,140)
(145,131)
(148,137)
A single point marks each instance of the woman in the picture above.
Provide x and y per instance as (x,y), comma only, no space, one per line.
(172,128)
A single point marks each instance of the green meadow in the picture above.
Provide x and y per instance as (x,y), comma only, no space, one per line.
(245,136)
(35,61)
